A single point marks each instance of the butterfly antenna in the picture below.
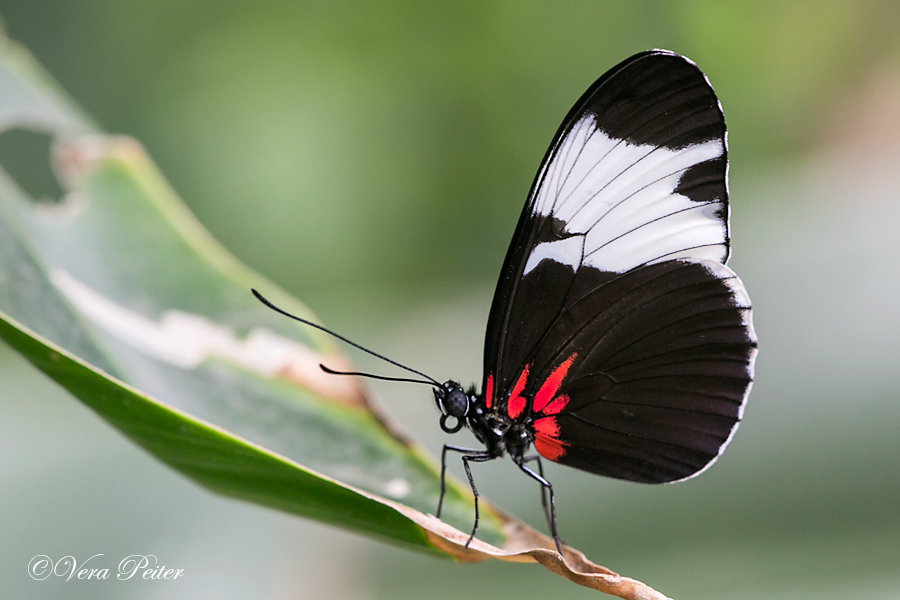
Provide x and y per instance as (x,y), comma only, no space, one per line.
(431,380)
(371,376)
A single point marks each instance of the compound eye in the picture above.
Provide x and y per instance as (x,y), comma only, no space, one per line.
(456,403)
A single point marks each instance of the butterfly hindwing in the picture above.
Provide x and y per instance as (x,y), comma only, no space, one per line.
(615,323)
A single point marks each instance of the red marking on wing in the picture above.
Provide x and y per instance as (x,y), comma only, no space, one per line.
(516,403)
(551,384)
(546,427)
(547,403)
(555,407)
(489,390)
(546,442)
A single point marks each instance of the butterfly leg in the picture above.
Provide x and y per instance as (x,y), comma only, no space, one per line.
(540,479)
(474,458)
(471,451)
(472,455)
(536,458)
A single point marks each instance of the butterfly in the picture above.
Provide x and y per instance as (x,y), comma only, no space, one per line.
(618,342)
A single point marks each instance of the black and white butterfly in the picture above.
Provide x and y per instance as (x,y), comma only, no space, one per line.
(618,341)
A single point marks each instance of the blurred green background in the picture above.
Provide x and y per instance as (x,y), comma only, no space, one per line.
(372,158)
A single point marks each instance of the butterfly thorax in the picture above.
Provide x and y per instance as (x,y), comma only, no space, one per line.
(494,428)
(498,432)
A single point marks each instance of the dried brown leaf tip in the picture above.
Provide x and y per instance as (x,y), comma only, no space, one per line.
(526,545)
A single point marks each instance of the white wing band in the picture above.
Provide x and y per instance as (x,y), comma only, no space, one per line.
(621,197)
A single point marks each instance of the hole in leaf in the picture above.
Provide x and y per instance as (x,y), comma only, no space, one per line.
(25,155)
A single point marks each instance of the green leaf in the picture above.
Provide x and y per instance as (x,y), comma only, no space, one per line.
(119,295)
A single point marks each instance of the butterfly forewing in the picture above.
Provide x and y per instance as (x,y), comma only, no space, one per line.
(615,325)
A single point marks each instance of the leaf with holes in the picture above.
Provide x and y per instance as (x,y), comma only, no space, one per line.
(121,297)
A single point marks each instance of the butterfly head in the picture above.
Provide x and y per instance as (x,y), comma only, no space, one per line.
(454,402)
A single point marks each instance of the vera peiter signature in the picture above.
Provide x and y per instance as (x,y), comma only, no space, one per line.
(135,566)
